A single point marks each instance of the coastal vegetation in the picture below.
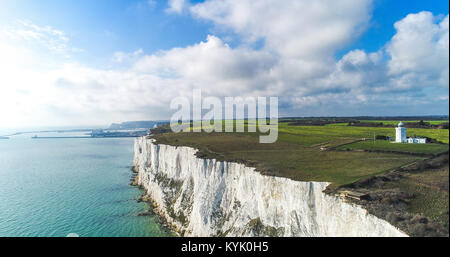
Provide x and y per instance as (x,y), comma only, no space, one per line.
(311,153)
(413,198)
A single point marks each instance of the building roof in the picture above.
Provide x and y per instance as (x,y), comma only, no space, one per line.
(400,124)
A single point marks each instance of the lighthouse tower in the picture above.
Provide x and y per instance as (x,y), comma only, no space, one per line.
(400,133)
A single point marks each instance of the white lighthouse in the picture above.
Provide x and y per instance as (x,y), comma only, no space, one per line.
(400,133)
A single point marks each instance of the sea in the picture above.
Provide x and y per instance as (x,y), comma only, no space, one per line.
(58,187)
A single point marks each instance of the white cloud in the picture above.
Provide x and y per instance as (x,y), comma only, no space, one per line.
(415,58)
(300,36)
(300,39)
(419,50)
(295,29)
(121,57)
(176,6)
(211,65)
(53,40)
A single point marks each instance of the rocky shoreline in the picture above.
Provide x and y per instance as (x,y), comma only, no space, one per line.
(153,208)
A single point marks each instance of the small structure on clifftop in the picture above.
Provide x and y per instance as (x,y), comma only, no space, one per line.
(400,133)
(400,136)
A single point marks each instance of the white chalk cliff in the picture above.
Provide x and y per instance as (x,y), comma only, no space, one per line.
(203,197)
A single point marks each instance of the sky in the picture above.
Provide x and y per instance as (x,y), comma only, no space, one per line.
(82,63)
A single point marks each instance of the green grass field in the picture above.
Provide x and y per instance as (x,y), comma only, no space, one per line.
(383,145)
(395,122)
(341,130)
(289,157)
(297,154)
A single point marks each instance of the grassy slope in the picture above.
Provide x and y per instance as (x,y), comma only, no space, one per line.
(431,190)
(414,199)
(430,199)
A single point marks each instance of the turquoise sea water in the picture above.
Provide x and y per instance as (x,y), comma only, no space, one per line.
(53,187)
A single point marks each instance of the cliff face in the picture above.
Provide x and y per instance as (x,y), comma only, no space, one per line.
(202,197)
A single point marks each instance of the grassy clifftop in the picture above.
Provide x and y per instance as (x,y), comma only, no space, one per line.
(299,151)
(346,156)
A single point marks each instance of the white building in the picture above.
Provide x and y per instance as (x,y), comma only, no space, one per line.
(400,133)
(416,140)
(400,136)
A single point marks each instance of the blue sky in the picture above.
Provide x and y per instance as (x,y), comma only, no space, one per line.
(386,13)
(144,44)
(102,27)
